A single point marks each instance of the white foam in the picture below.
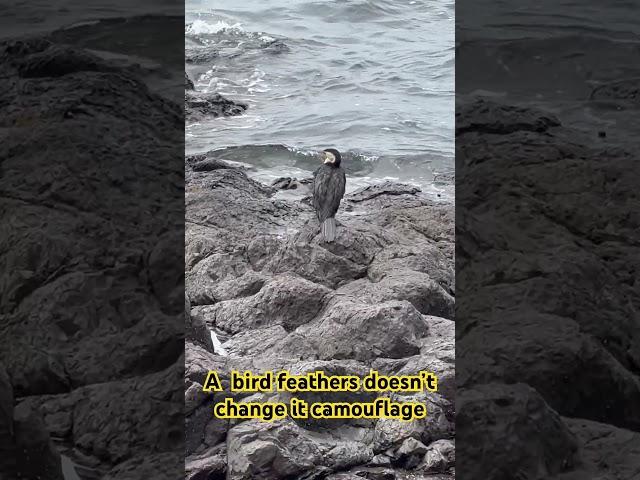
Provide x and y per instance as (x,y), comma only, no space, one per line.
(199,27)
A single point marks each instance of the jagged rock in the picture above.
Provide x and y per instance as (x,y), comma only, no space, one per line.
(410,452)
(260,450)
(255,342)
(438,424)
(202,105)
(196,330)
(560,352)
(349,330)
(423,257)
(286,300)
(208,465)
(426,295)
(495,413)
(200,55)
(440,457)
(188,83)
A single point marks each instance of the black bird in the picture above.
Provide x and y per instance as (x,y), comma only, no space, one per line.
(328,189)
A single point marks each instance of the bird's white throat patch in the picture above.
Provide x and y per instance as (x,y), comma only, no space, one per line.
(329,157)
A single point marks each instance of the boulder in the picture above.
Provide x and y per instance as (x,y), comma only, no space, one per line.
(505,419)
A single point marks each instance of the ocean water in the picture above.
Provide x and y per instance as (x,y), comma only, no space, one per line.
(373,78)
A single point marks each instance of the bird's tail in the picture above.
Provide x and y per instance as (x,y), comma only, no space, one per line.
(329,229)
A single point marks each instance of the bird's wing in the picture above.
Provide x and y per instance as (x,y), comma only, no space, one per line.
(329,188)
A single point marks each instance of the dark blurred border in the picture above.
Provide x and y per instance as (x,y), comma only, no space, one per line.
(547,240)
(92,240)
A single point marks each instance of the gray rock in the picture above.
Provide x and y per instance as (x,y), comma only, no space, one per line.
(440,457)
(349,330)
(210,464)
(495,413)
(188,83)
(439,423)
(286,300)
(196,330)
(426,295)
(260,450)
(488,117)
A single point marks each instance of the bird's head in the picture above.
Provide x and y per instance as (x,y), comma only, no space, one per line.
(332,157)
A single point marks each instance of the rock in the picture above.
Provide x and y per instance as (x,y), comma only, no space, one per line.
(426,295)
(423,257)
(286,300)
(208,465)
(627,90)
(167,281)
(484,116)
(439,423)
(169,463)
(349,330)
(603,447)
(440,457)
(209,165)
(188,83)
(59,60)
(199,106)
(196,330)
(255,342)
(35,454)
(549,353)
(200,55)
(260,450)
(444,370)
(410,452)
(314,263)
(497,416)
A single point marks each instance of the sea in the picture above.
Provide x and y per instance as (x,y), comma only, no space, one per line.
(373,78)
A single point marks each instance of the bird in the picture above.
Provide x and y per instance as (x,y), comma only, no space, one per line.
(329,183)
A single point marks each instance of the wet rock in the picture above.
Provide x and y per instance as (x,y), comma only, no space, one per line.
(495,413)
(200,56)
(199,106)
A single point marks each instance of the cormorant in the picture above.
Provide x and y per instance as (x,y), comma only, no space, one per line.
(328,189)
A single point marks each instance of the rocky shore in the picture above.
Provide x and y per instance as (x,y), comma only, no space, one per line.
(91,176)
(548,344)
(381,296)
